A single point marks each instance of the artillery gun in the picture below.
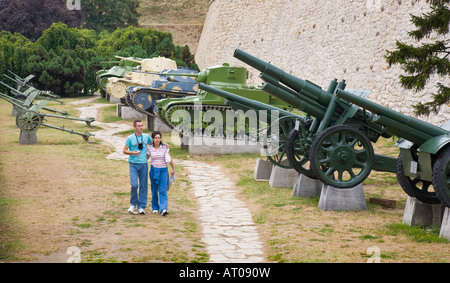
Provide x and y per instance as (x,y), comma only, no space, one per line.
(171,83)
(198,109)
(26,99)
(29,119)
(117,71)
(336,147)
(24,90)
(144,76)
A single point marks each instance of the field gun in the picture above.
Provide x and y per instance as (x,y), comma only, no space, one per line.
(26,99)
(29,119)
(424,158)
(336,146)
(23,89)
(281,122)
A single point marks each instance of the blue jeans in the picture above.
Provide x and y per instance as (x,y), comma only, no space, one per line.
(159,178)
(139,180)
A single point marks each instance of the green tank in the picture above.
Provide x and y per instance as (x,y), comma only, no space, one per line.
(202,110)
(118,71)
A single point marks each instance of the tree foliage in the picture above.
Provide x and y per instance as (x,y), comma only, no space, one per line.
(64,60)
(428,59)
(109,14)
(31,17)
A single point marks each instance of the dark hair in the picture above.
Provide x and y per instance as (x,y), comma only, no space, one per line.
(154,135)
(136,121)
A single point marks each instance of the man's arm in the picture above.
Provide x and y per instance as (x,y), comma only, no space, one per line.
(127,152)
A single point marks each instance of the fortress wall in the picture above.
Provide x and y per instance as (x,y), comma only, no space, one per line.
(320,40)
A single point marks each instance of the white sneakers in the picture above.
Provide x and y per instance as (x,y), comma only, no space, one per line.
(132,208)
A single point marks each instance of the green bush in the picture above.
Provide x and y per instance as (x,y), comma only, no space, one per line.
(64,60)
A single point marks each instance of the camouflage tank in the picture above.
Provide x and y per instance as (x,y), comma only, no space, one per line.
(172,83)
(225,77)
(117,71)
(144,75)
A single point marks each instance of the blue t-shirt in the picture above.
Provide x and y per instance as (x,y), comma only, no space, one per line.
(133,142)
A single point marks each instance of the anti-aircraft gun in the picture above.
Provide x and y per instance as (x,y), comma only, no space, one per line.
(337,146)
(30,118)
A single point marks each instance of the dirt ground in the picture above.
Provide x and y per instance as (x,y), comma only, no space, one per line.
(62,200)
(62,195)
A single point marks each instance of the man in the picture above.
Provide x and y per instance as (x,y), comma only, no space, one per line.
(136,148)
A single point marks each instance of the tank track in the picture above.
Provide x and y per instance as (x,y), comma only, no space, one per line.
(156,94)
(190,107)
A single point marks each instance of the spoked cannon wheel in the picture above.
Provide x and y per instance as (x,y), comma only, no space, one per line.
(415,187)
(297,148)
(441,176)
(275,141)
(341,156)
(28,121)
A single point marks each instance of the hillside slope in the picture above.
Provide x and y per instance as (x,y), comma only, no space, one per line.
(173,12)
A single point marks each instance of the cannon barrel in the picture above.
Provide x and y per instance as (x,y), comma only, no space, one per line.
(128,59)
(275,74)
(237,101)
(398,124)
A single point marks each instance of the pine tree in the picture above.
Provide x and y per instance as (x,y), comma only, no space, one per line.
(421,62)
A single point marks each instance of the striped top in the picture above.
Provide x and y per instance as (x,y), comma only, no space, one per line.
(158,159)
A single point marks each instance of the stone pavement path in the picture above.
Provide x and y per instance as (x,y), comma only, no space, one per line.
(227,224)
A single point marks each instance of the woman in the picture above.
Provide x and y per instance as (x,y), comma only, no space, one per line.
(159,174)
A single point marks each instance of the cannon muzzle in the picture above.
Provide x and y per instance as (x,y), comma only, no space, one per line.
(237,100)
(398,124)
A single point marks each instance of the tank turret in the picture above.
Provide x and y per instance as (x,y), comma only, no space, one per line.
(143,75)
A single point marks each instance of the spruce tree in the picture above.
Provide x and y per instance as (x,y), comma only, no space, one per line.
(427,59)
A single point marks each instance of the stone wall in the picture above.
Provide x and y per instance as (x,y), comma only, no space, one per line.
(182,34)
(320,40)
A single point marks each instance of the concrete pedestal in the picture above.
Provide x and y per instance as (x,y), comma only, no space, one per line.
(155,124)
(128,113)
(335,199)
(306,187)
(212,145)
(419,213)
(445,226)
(28,138)
(263,169)
(112,99)
(281,177)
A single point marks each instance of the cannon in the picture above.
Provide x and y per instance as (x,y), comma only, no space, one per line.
(26,98)
(29,118)
(23,90)
(336,146)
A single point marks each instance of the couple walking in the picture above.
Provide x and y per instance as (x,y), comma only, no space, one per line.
(140,147)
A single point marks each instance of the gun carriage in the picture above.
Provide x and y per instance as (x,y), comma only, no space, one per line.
(335,146)
(29,117)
